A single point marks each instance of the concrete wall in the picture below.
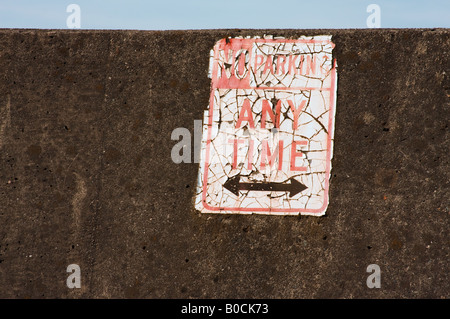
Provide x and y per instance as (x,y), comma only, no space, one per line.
(86,175)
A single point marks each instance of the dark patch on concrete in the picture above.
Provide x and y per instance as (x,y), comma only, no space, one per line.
(85,163)
(34,151)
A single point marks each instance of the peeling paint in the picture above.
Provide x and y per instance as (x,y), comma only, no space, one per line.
(267,136)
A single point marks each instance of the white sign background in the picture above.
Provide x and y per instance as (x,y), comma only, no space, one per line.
(269,127)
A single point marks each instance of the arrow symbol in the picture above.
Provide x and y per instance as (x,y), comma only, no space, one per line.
(234,185)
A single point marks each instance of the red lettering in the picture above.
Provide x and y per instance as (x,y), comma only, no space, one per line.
(245,115)
(241,65)
(281,61)
(300,65)
(267,109)
(296,112)
(294,154)
(291,65)
(250,154)
(268,65)
(266,154)
(311,65)
(236,143)
(261,60)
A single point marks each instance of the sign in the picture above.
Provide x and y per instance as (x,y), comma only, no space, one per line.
(267,138)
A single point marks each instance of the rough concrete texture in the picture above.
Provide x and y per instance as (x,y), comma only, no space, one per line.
(86,175)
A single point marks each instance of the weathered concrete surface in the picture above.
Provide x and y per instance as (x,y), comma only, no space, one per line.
(86,175)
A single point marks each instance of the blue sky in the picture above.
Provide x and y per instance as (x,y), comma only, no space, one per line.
(214,14)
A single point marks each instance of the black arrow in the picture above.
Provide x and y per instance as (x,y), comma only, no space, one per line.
(234,185)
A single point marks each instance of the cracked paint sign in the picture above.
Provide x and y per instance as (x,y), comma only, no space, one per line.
(267,139)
